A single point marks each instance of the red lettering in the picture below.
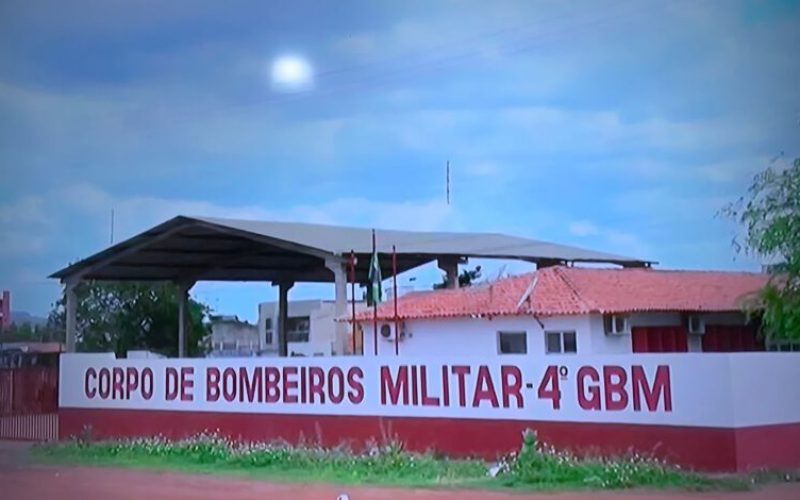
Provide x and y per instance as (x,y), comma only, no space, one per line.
(316,376)
(356,392)
(187,383)
(118,386)
(614,388)
(289,385)
(414,386)
(147,384)
(172,383)
(394,387)
(484,388)
(549,387)
(132,381)
(273,387)
(592,402)
(661,388)
(104,383)
(212,384)
(303,384)
(461,372)
(511,388)
(90,391)
(335,385)
(423,382)
(445,386)
(229,384)
(251,385)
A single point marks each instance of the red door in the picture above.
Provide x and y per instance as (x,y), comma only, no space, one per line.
(660,339)
(731,338)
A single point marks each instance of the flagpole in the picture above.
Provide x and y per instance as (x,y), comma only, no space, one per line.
(353,294)
(394,295)
(374,302)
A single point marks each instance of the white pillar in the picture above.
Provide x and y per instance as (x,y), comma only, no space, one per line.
(339,270)
(450,266)
(283,316)
(71,305)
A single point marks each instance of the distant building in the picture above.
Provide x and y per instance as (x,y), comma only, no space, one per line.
(232,337)
(5,311)
(311,327)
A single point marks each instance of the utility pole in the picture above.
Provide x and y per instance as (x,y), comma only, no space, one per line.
(447,182)
(112,226)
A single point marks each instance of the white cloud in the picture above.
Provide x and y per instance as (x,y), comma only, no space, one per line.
(482,169)
(23,211)
(610,239)
(583,228)
(136,213)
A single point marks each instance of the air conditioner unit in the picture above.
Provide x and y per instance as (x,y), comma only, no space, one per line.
(616,324)
(387,331)
(695,324)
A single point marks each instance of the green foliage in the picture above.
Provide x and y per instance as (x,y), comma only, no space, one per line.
(26,332)
(536,465)
(770,214)
(128,316)
(533,467)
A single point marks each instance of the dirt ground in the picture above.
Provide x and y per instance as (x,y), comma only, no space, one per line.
(21,480)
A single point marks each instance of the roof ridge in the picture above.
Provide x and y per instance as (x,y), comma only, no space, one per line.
(560,272)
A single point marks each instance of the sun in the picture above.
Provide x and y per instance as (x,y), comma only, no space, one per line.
(291,74)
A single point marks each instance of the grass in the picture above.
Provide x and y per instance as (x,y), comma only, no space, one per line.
(534,467)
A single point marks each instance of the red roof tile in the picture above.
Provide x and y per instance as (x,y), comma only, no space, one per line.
(560,291)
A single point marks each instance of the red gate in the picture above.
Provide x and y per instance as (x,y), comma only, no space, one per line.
(29,403)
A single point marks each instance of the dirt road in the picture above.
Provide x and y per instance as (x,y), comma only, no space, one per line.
(21,480)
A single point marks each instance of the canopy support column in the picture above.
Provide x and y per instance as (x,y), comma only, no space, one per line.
(283,316)
(71,306)
(339,270)
(183,299)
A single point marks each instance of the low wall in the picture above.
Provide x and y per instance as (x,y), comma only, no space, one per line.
(713,412)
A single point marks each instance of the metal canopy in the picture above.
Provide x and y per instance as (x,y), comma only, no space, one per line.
(212,249)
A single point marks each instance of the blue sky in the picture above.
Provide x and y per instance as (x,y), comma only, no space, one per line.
(618,126)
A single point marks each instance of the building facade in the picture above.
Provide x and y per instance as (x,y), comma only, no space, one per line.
(561,310)
(232,337)
(311,328)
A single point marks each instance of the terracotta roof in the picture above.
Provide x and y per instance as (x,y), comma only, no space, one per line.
(561,291)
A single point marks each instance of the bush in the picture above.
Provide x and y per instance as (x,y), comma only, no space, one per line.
(536,464)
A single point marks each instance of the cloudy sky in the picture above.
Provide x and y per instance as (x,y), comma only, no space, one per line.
(615,126)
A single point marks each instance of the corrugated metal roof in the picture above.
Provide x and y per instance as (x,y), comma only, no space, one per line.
(341,239)
(244,250)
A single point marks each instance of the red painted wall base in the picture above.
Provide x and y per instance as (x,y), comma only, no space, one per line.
(700,448)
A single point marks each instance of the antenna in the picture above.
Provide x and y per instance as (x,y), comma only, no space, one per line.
(448,182)
(112,226)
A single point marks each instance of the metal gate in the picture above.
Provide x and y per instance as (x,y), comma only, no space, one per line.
(29,403)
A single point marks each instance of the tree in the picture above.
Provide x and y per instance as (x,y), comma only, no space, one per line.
(770,215)
(466,278)
(120,317)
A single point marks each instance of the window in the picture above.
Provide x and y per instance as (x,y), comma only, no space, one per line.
(297,329)
(268,329)
(560,342)
(615,324)
(512,342)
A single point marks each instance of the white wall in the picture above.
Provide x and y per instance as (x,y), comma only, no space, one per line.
(475,336)
(478,336)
